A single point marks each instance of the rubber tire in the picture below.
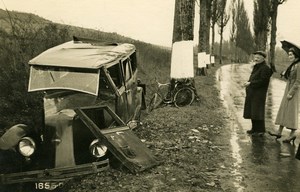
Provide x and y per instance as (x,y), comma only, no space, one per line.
(183,97)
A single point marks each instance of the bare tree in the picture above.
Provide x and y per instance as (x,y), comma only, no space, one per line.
(244,38)
(215,15)
(261,23)
(222,22)
(204,29)
(233,29)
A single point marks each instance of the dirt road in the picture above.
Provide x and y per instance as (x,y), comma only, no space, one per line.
(260,163)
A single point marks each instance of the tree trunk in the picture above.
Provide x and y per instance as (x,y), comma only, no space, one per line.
(273,35)
(215,15)
(208,20)
(183,28)
(212,39)
(222,22)
(203,25)
(204,30)
(221,38)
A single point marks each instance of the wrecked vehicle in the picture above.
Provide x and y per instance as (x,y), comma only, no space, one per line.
(92,98)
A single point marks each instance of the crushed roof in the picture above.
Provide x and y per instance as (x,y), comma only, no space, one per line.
(77,54)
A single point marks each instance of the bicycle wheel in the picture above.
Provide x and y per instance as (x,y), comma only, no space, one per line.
(183,97)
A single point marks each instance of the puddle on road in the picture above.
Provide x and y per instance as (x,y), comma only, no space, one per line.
(238,178)
(230,79)
(225,85)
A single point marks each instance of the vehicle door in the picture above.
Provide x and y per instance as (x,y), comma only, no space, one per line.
(114,75)
(130,86)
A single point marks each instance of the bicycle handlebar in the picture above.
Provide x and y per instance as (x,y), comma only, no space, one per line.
(184,81)
(161,84)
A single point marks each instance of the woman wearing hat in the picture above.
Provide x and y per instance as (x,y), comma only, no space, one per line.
(288,111)
(256,93)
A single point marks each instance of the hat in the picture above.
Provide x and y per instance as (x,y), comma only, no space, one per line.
(295,51)
(262,53)
(289,46)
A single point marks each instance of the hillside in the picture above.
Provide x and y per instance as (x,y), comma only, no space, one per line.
(23,36)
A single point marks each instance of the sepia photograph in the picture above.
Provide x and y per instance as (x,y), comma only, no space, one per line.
(149,95)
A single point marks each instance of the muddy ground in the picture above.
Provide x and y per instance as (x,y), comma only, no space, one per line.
(191,142)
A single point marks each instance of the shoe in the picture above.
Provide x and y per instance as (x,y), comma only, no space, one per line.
(274,135)
(250,131)
(288,140)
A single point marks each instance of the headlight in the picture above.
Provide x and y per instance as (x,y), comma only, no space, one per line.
(27,146)
(97,149)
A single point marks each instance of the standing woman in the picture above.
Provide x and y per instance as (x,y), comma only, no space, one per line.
(288,111)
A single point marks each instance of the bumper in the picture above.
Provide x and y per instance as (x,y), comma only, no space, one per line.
(54,174)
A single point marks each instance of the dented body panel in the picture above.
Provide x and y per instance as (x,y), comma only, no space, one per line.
(72,76)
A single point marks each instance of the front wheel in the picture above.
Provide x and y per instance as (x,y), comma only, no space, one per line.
(183,97)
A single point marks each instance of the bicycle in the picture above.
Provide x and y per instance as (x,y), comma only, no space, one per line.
(180,93)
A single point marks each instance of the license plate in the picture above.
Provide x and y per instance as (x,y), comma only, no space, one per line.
(48,185)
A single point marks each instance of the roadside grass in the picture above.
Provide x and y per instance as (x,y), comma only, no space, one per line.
(189,141)
(192,143)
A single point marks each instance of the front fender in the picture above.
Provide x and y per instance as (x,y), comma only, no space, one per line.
(12,136)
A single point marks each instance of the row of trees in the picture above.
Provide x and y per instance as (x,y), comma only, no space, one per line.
(217,13)
(211,13)
(265,25)
(23,37)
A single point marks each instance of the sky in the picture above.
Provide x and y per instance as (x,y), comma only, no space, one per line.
(146,20)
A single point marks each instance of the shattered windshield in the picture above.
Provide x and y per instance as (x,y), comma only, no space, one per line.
(45,78)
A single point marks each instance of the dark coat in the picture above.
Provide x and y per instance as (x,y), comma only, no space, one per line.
(256,92)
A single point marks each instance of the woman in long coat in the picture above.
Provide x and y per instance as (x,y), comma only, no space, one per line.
(288,111)
(256,93)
